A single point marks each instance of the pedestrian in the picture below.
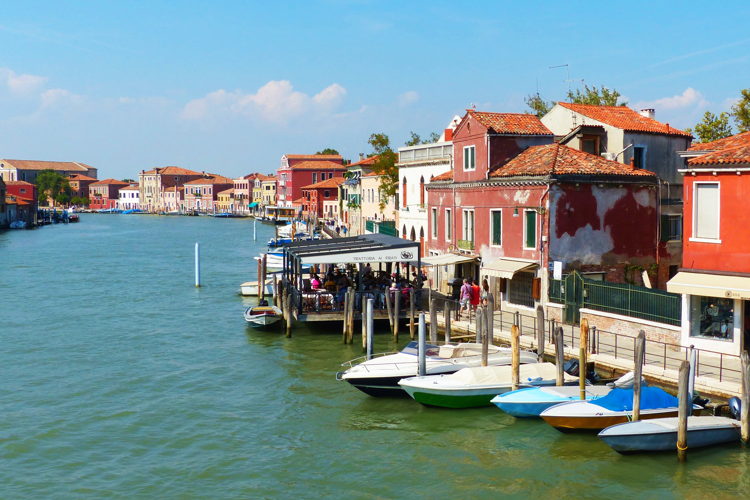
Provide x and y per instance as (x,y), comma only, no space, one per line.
(476,293)
(464,297)
(485,292)
(338,230)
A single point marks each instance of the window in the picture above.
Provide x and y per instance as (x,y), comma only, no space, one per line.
(712,317)
(496,227)
(448,224)
(590,144)
(326,193)
(639,157)
(314,177)
(529,229)
(421,191)
(671,227)
(470,158)
(468,225)
(434,222)
(706,210)
(520,289)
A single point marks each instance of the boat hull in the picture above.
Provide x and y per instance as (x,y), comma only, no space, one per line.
(467,399)
(661,434)
(591,423)
(379,387)
(265,321)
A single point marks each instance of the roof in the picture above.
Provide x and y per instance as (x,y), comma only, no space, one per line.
(510,123)
(365,161)
(624,118)
(445,176)
(727,142)
(105,182)
(18,183)
(556,159)
(333,182)
(48,165)
(172,170)
(727,156)
(269,178)
(317,165)
(365,248)
(131,187)
(314,157)
(80,177)
(227,191)
(212,179)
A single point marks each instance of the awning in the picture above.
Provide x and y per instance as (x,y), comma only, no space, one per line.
(447,259)
(710,285)
(253,204)
(506,268)
(355,249)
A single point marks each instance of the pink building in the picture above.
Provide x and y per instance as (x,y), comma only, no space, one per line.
(201,194)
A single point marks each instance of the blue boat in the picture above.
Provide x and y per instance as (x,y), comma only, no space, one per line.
(532,401)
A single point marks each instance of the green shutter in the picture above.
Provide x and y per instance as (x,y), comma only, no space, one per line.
(665,228)
(530,229)
(496,228)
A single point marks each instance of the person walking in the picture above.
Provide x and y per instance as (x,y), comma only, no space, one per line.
(464,297)
(476,293)
(485,292)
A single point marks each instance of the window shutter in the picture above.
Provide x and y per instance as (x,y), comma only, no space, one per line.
(536,288)
(664,228)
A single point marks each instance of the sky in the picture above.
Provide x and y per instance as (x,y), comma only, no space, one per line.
(229,87)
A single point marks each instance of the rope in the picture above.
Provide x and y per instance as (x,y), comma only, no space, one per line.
(681,448)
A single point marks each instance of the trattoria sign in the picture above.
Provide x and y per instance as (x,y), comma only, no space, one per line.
(403,254)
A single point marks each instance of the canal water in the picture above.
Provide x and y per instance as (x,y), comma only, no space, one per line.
(118,378)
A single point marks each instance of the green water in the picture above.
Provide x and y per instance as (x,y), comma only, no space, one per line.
(119,379)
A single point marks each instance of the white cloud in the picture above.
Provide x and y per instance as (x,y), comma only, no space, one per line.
(57,97)
(21,84)
(409,97)
(690,98)
(275,101)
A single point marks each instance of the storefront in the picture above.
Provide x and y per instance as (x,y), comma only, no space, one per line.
(714,310)
(514,281)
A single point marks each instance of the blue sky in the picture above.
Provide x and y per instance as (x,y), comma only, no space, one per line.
(229,87)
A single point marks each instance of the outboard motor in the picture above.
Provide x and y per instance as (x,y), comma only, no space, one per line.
(571,367)
(697,400)
(263,302)
(735,406)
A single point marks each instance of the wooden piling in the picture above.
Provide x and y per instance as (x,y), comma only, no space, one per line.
(540,332)
(258,273)
(365,320)
(411,314)
(684,409)
(421,348)
(478,324)
(396,313)
(370,335)
(448,312)
(582,358)
(640,352)
(289,315)
(389,307)
(516,356)
(745,405)
(490,318)
(345,323)
(486,335)
(559,355)
(351,314)
(433,321)
(263,270)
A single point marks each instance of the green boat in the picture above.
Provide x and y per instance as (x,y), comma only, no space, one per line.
(474,387)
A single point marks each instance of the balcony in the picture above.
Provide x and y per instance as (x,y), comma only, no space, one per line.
(426,152)
(465,244)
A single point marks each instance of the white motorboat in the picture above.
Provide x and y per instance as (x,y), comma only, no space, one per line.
(476,386)
(250,288)
(380,375)
(660,434)
(262,316)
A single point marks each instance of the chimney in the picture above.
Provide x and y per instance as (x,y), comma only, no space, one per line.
(648,113)
(448,134)
(361,156)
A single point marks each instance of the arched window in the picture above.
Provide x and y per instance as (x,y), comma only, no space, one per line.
(413,235)
(403,189)
(421,190)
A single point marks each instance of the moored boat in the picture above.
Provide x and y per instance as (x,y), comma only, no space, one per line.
(262,316)
(250,288)
(380,375)
(477,386)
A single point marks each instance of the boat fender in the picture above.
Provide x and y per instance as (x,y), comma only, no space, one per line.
(735,405)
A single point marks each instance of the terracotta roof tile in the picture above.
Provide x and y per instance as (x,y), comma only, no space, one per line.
(317,165)
(624,118)
(556,159)
(130,188)
(18,183)
(172,170)
(365,161)
(334,182)
(227,191)
(510,123)
(727,156)
(211,179)
(105,182)
(445,176)
(313,157)
(728,142)
(80,177)
(48,165)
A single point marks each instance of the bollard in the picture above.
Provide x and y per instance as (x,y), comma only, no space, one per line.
(197,264)
(421,351)
(684,410)
(640,352)
(370,327)
(255,223)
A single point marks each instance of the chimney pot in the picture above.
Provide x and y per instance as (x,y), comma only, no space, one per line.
(448,134)
(648,113)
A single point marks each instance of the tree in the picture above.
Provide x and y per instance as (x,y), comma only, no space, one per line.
(433,137)
(741,111)
(712,127)
(598,96)
(54,185)
(384,166)
(327,151)
(413,139)
(538,106)
(129,181)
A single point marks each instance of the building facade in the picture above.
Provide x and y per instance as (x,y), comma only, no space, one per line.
(296,171)
(201,194)
(79,185)
(155,181)
(27,170)
(104,194)
(129,198)
(319,196)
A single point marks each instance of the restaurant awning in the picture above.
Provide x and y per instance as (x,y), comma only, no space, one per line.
(253,204)
(356,249)
(710,285)
(506,268)
(447,259)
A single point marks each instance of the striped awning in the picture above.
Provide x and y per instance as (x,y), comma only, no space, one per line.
(710,285)
(506,268)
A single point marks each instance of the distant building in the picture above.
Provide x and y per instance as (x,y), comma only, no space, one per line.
(27,170)
(321,196)
(296,171)
(351,195)
(155,181)
(376,218)
(4,220)
(79,185)
(201,194)
(173,199)
(129,198)
(104,194)
(268,190)
(225,202)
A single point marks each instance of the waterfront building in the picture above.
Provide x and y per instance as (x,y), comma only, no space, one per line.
(350,192)
(241,193)
(201,194)
(268,191)
(622,134)
(378,211)
(319,199)
(296,171)
(22,190)
(715,276)
(155,181)
(79,185)
(129,198)
(27,170)
(173,199)
(417,165)
(518,203)
(227,203)
(4,216)
(104,194)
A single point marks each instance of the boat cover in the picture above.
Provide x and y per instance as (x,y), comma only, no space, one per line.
(488,375)
(652,398)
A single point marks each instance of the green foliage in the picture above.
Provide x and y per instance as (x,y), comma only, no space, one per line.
(601,96)
(433,137)
(537,105)
(385,166)
(741,111)
(129,181)
(54,185)
(415,139)
(712,127)
(327,151)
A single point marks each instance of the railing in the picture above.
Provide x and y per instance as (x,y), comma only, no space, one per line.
(370,226)
(332,301)
(465,244)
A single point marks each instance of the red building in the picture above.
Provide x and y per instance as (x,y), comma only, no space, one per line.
(297,171)
(316,195)
(22,196)
(79,185)
(715,274)
(21,190)
(519,203)
(104,194)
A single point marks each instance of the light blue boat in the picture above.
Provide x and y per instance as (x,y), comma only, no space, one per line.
(532,401)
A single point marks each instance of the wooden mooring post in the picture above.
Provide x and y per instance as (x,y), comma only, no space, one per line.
(396,313)
(389,308)
(345,323)
(640,352)
(288,315)
(559,355)
(478,324)
(433,321)
(684,409)
(421,348)
(582,358)
(448,311)
(486,335)
(365,321)
(352,298)
(515,363)
(540,332)
(370,327)
(745,405)
(412,307)
(490,318)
